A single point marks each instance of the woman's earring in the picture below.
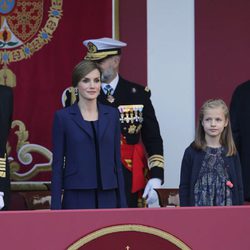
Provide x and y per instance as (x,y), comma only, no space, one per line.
(76,91)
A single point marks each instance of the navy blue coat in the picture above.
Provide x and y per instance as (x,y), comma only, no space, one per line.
(190,169)
(74,157)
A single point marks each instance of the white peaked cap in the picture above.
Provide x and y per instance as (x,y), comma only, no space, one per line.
(101,48)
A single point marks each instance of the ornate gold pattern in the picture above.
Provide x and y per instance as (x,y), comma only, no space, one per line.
(22,133)
(44,36)
(24,24)
(26,158)
(131,129)
(24,149)
(129,228)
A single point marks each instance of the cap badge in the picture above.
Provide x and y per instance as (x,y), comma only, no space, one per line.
(91,47)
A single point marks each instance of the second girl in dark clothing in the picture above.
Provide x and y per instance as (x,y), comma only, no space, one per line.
(211,171)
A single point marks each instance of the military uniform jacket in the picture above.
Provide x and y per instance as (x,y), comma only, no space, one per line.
(6,109)
(138,121)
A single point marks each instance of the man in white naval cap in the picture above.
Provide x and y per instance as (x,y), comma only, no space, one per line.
(138,123)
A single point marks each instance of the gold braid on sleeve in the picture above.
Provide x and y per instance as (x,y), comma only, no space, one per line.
(155,161)
(3,167)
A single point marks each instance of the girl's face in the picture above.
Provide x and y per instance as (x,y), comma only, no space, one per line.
(214,122)
(89,86)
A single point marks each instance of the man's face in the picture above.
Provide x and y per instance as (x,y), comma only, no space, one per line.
(109,69)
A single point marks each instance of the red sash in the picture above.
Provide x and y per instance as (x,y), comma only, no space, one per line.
(133,158)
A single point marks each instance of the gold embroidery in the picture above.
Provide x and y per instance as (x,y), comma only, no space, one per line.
(131,129)
(129,162)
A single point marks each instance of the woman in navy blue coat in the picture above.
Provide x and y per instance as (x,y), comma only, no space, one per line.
(86,168)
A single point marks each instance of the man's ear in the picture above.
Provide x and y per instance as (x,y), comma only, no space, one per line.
(117,60)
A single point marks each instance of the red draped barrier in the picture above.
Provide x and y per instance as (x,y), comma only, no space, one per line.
(155,228)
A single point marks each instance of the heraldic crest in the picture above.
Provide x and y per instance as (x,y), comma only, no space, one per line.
(25,27)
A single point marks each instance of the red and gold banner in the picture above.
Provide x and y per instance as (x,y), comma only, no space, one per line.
(40,42)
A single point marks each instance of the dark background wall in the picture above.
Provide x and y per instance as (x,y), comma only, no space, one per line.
(222,47)
(133,31)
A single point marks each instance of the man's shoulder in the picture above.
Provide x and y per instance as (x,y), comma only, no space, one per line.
(245,86)
(133,86)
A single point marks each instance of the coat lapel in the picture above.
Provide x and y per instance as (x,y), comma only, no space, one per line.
(104,117)
(78,119)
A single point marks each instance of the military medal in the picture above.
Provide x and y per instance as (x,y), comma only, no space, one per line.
(110,98)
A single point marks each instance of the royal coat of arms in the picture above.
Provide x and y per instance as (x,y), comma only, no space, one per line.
(25,27)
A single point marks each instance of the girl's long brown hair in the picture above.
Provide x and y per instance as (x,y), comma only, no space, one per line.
(226,139)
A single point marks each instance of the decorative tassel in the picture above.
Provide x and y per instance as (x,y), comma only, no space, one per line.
(7,77)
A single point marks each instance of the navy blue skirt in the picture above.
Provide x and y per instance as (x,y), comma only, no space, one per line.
(89,199)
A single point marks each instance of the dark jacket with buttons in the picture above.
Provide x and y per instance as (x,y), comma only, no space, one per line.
(146,129)
(190,169)
(74,153)
(6,109)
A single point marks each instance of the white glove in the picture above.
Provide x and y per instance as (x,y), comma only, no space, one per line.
(1,200)
(149,193)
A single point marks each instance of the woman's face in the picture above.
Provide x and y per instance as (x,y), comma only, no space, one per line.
(90,85)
